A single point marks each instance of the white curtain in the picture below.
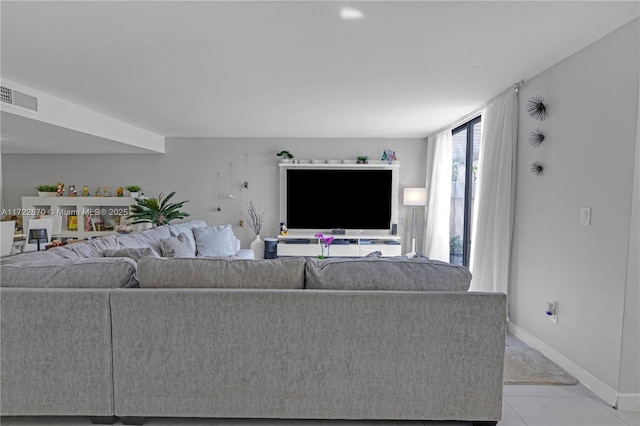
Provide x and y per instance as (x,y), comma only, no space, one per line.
(495,195)
(436,235)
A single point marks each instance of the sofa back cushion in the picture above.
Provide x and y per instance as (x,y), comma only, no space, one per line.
(149,238)
(199,272)
(397,274)
(98,272)
(133,253)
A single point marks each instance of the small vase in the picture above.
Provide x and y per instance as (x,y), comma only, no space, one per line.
(133,194)
(258,248)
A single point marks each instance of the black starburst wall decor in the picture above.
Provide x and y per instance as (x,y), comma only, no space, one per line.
(536,137)
(537,168)
(538,107)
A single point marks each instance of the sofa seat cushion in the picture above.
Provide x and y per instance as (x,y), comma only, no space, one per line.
(199,272)
(215,241)
(98,272)
(399,274)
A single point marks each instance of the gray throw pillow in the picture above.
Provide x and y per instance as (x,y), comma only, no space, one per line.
(215,241)
(179,246)
(134,253)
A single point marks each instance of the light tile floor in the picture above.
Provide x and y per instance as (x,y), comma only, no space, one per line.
(522,405)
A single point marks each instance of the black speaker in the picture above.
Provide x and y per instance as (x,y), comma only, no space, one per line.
(270,248)
(394,229)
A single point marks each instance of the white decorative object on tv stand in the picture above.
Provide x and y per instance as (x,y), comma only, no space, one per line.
(107,207)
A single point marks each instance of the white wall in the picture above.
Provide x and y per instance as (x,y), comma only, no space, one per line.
(190,167)
(630,357)
(589,161)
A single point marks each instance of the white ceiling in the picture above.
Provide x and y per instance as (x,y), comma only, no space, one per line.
(291,69)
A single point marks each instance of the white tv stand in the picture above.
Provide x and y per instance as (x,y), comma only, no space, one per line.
(352,244)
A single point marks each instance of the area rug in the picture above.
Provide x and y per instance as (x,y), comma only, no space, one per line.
(527,366)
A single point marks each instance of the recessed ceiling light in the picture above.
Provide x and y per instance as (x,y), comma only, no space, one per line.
(350,13)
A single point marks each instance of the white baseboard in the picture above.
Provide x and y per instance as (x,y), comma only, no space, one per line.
(629,401)
(602,390)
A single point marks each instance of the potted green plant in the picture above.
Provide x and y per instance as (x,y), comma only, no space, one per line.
(363,159)
(157,211)
(133,190)
(285,156)
(47,190)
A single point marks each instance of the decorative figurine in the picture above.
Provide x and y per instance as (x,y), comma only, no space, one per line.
(97,193)
(60,191)
(85,191)
(107,191)
(120,191)
(283,229)
(73,192)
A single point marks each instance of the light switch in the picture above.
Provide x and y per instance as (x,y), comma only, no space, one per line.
(585,216)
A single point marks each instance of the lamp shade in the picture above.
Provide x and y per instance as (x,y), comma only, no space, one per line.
(38,235)
(415,196)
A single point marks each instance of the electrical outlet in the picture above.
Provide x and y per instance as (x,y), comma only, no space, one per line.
(585,216)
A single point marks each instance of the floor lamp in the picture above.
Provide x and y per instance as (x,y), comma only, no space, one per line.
(38,235)
(414,197)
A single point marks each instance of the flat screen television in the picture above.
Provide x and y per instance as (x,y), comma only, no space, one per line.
(325,199)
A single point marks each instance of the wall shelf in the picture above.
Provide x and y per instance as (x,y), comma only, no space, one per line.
(89,212)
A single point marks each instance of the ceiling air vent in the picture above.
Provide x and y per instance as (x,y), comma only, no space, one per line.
(13,97)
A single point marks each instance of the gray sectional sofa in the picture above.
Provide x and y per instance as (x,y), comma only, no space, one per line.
(365,338)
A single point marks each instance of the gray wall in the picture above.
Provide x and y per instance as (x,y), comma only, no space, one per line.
(589,161)
(190,167)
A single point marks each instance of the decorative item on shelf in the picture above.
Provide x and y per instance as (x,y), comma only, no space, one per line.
(124,229)
(133,190)
(538,107)
(97,193)
(72,223)
(389,156)
(537,168)
(157,211)
(107,191)
(120,192)
(73,192)
(47,190)
(285,156)
(536,137)
(60,189)
(284,231)
(414,197)
(362,159)
(323,242)
(255,218)
(85,191)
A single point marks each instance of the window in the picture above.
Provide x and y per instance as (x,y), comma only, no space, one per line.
(465,152)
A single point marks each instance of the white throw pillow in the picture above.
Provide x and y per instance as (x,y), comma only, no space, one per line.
(215,241)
